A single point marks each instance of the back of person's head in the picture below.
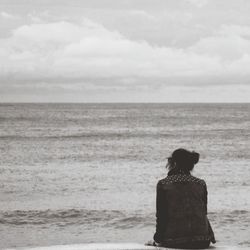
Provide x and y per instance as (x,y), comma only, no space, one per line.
(183,160)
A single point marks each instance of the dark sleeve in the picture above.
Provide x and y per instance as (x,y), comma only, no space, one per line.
(160,213)
(210,230)
(205,197)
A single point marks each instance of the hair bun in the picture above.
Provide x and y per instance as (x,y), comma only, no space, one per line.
(195,157)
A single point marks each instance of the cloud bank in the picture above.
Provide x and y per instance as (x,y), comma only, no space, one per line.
(86,56)
(89,50)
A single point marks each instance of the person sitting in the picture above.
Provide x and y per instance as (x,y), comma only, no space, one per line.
(181,205)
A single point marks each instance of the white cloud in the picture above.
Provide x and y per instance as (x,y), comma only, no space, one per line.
(169,48)
(198,3)
(142,14)
(6,15)
(231,44)
(65,51)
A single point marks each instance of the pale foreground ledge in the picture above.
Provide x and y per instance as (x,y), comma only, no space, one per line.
(115,246)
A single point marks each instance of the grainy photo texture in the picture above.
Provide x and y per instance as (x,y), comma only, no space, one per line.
(124,124)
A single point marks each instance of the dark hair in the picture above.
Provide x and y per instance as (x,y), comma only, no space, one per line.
(182,160)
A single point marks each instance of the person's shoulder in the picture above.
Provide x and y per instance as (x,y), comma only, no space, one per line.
(167,180)
(180,178)
(198,180)
(161,182)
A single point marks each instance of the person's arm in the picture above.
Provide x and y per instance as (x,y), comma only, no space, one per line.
(210,230)
(160,213)
(205,198)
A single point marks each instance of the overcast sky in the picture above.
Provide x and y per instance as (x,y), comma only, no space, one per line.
(125,50)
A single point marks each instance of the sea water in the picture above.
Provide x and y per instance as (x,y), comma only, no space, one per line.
(81,173)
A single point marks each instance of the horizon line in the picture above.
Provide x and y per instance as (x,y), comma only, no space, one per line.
(124,102)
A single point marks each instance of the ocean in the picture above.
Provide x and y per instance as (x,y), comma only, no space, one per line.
(81,173)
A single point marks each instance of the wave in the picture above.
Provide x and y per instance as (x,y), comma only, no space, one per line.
(69,216)
(107,135)
(107,218)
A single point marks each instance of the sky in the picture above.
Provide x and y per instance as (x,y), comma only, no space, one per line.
(124,51)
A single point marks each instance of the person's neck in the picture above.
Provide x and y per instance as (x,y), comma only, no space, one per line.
(175,171)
